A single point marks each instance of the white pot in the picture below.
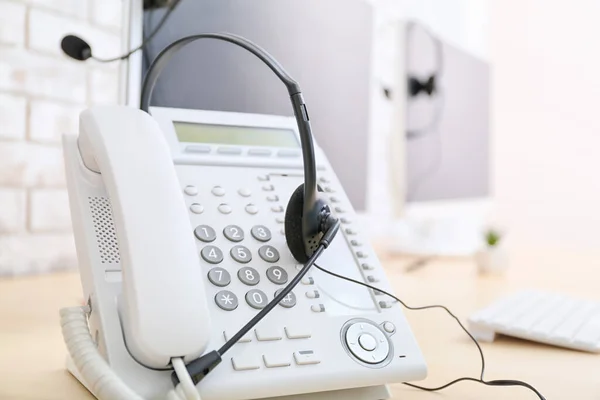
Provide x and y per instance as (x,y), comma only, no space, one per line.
(492,260)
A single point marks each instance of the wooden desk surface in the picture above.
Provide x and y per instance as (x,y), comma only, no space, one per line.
(32,352)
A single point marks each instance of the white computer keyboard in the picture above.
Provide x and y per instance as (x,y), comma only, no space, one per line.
(542,317)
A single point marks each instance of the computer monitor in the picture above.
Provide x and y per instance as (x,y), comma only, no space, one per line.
(325,45)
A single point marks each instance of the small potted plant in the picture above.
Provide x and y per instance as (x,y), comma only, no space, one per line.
(492,258)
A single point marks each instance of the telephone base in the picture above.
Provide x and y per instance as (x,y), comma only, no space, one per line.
(380,392)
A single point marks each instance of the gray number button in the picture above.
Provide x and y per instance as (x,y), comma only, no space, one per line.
(256,299)
(269,253)
(241,254)
(226,300)
(277,275)
(249,276)
(205,233)
(288,301)
(260,232)
(233,233)
(219,277)
(212,254)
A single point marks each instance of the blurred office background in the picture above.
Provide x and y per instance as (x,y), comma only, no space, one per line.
(518,145)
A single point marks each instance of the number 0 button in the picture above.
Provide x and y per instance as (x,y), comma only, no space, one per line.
(226,300)
(260,232)
(205,233)
(241,254)
(249,276)
(233,233)
(277,275)
(256,299)
(269,253)
(212,254)
(219,277)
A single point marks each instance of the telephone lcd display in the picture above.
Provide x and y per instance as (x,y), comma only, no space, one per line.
(235,135)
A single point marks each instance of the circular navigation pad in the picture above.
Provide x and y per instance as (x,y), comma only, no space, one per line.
(366,342)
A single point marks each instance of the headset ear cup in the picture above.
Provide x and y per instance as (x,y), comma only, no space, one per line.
(293,225)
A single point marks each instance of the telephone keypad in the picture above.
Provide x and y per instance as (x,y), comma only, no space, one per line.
(219,276)
(277,275)
(226,300)
(233,233)
(212,254)
(205,233)
(269,253)
(249,276)
(241,254)
(256,299)
(261,233)
(288,301)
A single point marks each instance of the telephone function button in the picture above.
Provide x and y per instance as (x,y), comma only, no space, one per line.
(288,153)
(224,208)
(268,188)
(219,277)
(329,189)
(249,276)
(345,221)
(277,209)
(308,280)
(263,178)
(233,233)
(313,294)
(265,334)
(350,231)
(334,199)
(354,242)
(241,254)
(367,342)
(256,299)
(205,233)
(261,233)
(218,191)
(229,334)
(288,301)
(367,267)
(197,148)
(276,360)
(277,275)
(318,308)
(226,300)
(324,179)
(389,327)
(272,197)
(339,210)
(268,253)
(190,190)
(197,208)
(232,151)
(212,254)
(297,332)
(259,152)
(244,192)
(244,363)
(306,357)
(280,220)
(251,209)
(361,254)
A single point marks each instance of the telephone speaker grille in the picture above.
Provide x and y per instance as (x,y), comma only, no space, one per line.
(104,228)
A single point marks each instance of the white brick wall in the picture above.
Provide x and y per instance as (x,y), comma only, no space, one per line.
(41,94)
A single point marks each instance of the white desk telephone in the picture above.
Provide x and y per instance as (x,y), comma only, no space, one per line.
(178,221)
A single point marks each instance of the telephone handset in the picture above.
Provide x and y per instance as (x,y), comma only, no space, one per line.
(163,305)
